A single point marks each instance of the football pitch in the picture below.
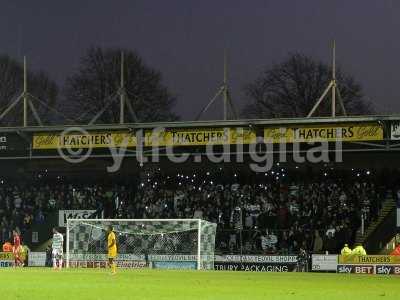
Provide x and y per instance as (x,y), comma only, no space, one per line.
(46,284)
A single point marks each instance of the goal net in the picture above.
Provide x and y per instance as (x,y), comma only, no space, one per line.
(157,243)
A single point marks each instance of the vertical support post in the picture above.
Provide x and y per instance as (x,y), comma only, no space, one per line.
(225,87)
(67,246)
(122,92)
(334,79)
(199,245)
(334,89)
(241,236)
(362,224)
(25,95)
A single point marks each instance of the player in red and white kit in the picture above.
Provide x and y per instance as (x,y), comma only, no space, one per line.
(17,249)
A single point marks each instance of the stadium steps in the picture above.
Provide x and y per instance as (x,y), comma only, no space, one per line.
(387,208)
(389,247)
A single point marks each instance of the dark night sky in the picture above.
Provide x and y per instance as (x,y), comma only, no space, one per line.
(186,39)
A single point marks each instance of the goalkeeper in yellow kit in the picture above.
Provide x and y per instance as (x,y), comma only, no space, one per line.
(112,249)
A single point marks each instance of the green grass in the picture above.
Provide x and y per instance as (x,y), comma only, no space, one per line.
(75,284)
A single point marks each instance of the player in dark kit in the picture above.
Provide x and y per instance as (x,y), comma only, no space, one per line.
(302,261)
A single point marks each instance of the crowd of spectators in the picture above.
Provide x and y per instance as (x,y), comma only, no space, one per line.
(270,214)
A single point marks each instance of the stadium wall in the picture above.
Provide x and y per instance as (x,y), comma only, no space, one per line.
(369,264)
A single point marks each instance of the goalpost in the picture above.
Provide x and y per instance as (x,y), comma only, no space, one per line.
(154,243)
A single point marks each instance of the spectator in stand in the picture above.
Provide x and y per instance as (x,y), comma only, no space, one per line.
(318,243)
(331,230)
(198,213)
(283,243)
(256,240)
(272,241)
(330,244)
(232,241)
(264,243)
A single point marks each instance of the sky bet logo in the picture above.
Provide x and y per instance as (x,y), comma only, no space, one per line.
(357,269)
(363,269)
(386,270)
(344,269)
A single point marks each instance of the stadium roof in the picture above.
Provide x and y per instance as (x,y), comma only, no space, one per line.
(211,123)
